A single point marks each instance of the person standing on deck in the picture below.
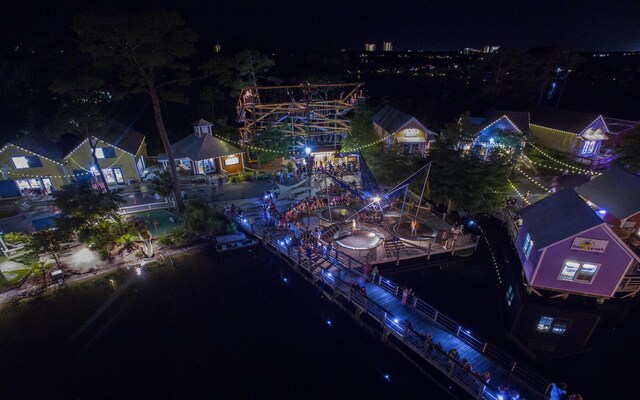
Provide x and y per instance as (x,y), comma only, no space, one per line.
(374,273)
(343,213)
(367,271)
(414,227)
(405,295)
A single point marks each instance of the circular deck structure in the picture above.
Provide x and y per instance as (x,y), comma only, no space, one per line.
(403,230)
(335,214)
(359,239)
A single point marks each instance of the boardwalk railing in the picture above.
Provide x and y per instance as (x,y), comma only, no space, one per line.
(470,381)
(525,374)
(145,207)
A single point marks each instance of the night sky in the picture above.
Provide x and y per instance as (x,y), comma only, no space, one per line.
(333,24)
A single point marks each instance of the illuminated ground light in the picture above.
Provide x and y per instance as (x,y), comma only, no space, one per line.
(387,377)
(329,322)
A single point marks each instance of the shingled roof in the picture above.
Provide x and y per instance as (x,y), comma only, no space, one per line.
(558,217)
(392,119)
(40,144)
(519,118)
(202,147)
(616,191)
(568,121)
(120,135)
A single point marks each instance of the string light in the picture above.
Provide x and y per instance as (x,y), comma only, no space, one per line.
(532,180)
(19,175)
(584,171)
(249,146)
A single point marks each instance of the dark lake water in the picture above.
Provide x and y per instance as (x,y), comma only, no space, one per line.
(229,327)
(217,327)
(596,355)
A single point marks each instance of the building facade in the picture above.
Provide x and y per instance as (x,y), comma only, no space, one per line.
(578,134)
(203,154)
(35,163)
(505,129)
(615,195)
(565,247)
(403,130)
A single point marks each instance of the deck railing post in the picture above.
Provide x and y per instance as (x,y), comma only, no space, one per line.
(397,289)
(435,316)
(484,347)
(513,366)
(458,331)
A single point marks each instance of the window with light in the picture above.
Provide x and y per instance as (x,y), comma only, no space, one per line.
(105,152)
(578,272)
(557,326)
(527,246)
(27,162)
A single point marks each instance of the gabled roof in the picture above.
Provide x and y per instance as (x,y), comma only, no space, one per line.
(558,217)
(198,148)
(616,191)
(40,144)
(391,119)
(201,122)
(120,135)
(519,118)
(568,121)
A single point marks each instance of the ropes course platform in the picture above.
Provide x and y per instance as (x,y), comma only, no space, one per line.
(308,110)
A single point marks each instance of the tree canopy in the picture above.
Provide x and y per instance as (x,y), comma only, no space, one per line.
(270,144)
(144,54)
(362,132)
(83,204)
(463,179)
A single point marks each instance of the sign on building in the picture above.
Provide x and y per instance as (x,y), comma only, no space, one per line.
(591,245)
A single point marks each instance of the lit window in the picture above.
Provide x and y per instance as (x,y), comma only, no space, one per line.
(527,246)
(578,272)
(559,326)
(586,272)
(27,162)
(105,152)
(556,326)
(544,325)
(21,162)
(411,132)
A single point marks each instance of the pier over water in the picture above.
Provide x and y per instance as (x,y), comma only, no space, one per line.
(416,325)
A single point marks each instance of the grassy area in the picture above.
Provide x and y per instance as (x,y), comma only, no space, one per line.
(12,277)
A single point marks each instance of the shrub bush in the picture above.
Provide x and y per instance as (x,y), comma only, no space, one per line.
(14,237)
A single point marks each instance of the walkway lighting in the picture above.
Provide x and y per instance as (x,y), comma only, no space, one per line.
(307,150)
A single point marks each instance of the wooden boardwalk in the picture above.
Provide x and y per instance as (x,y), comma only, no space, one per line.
(337,273)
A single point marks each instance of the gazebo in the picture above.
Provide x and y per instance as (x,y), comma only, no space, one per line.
(202,153)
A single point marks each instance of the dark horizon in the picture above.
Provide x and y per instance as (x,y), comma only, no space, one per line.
(330,25)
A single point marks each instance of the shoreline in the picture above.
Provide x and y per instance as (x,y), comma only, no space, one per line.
(31,292)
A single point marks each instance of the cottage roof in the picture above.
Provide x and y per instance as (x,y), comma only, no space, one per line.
(616,191)
(558,217)
(120,135)
(202,147)
(392,119)
(519,118)
(40,144)
(201,122)
(568,121)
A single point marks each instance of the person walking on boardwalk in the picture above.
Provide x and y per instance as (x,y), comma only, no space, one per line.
(414,227)
(367,271)
(343,213)
(405,295)
(374,273)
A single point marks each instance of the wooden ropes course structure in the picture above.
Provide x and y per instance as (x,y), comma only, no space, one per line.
(317,112)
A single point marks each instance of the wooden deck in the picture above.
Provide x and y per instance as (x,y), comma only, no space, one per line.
(383,303)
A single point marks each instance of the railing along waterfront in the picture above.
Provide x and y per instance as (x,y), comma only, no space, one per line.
(468,380)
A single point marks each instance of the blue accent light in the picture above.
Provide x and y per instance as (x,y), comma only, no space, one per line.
(329,322)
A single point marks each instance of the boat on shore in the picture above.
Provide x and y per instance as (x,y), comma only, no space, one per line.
(234,242)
